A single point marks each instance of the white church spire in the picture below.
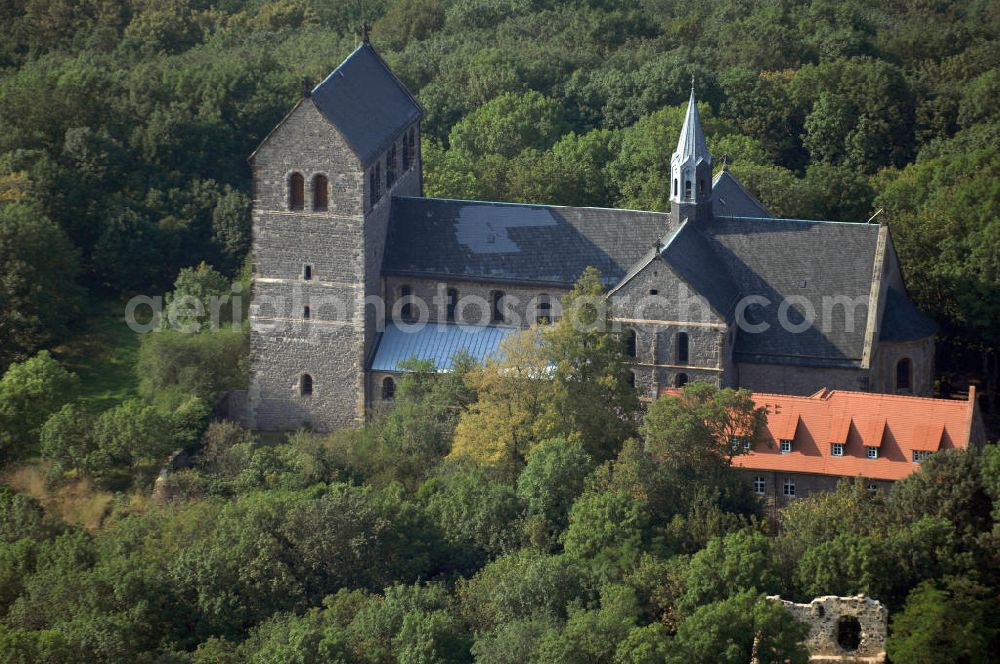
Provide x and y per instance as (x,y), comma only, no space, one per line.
(691,165)
(692,139)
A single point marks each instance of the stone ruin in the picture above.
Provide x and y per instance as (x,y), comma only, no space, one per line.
(842,629)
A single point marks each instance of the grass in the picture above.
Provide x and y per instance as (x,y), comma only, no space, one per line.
(74,501)
(103,355)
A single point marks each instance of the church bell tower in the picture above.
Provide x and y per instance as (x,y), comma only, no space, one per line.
(691,171)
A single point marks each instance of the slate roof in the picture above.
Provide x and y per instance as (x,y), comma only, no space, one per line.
(731,199)
(902,321)
(365,101)
(539,244)
(692,257)
(439,343)
(789,258)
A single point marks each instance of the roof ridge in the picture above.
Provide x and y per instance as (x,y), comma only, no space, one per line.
(805,221)
(856,393)
(538,205)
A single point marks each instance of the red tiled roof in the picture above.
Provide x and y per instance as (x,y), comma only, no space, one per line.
(896,424)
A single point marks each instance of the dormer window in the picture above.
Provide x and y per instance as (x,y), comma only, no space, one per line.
(837,449)
(786,446)
(920,455)
(871,452)
(296,191)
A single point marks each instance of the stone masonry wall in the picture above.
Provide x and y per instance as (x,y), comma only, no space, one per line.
(653,304)
(787,379)
(342,247)
(826,638)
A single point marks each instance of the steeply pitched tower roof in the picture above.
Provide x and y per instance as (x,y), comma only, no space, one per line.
(365,101)
(692,140)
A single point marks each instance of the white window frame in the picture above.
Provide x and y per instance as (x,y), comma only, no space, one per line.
(837,449)
(871,452)
(921,455)
(759,485)
(788,488)
(786,446)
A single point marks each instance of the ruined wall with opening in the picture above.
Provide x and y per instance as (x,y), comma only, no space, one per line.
(842,629)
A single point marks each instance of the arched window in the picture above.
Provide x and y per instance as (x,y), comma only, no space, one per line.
(701,187)
(630,345)
(321,193)
(406,152)
(543,312)
(681,350)
(497,313)
(306,385)
(406,311)
(296,191)
(388,389)
(390,167)
(681,380)
(904,374)
(687,188)
(306,312)
(451,304)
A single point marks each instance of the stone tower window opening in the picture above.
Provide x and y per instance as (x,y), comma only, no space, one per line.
(681,380)
(388,389)
(675,186)
(904,374)
(296,191)
(630,343)
(682,348)
(321,193)
(405,297)
(451,304)
(306,312)
(631,379)
(306,385)
(496,315)
(307,272)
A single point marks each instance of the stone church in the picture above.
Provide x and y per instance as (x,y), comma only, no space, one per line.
(350,259)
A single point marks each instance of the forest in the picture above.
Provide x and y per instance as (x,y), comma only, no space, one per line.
(591,528)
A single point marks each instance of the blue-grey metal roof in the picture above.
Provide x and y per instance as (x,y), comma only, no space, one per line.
(731,199)
(902,321)
(365,101)
(539,244)
(788,259)
(438,342)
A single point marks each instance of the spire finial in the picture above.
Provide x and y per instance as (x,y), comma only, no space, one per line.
(692,83)
(364,32)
